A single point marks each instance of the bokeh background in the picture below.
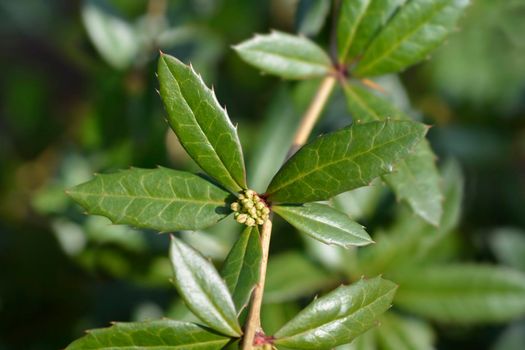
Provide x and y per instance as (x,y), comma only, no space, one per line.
(78,95)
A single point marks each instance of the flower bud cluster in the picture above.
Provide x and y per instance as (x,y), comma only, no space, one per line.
(250,209)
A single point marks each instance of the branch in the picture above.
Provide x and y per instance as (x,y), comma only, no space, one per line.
(253,323)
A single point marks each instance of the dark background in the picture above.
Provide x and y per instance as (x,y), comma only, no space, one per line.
(66,111)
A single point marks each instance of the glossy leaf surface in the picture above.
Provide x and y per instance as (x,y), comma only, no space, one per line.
(241,268)
(158,335)
(359,22)
(200,123)
(285,55)
(344,160)
(416,179)
(339,316)
(462,293)
(325,224)
(416,29)
(160,199)
(203,289)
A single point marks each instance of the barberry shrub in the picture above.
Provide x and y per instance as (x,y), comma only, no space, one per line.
(372,37)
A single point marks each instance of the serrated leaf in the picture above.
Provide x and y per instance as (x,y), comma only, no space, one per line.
(416,179)
(285,55)
(241,269)
(344,160)
(201,124)
(402,333)
(160,199)
(203,289)
(114,38)
(158,335)
(339,316)
(462,293)
(411,240)
(325,224)
(300,278)
(416,29)
(359,21)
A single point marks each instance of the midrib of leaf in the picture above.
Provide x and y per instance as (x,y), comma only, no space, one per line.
(328,223)
(362,308)
(401,39)
(217,155)
(160,199)
(302,175)
(211,301)
(348,43)
(293,58)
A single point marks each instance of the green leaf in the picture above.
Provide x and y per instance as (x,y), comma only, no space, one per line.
(241,268)
(160,199)
(410,241)
(359,22)
(202,289)
(344,160)
(401,333)
(114,38)
(325,224)
(158,335)
(416,29)
(339,316)
(300,278)
(361,202)
(285,55)
(200,123)
(416,179)
(462,293)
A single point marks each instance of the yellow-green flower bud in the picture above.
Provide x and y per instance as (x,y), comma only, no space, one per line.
(235,206)
(241,218)
(260,205)
(266,210)
(250,222)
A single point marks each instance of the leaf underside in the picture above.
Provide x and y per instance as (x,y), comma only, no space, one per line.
(416,179)
(339,316)
(201,124)
(241,269)
(158,335)
(160,199)
(285,55)
(325,224)
(202,289)
(344,160)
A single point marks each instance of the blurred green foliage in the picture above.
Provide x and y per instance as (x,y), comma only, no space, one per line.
(77,96)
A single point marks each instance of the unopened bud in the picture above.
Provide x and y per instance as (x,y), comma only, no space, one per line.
(266,210)
(250,222)
(249,193)
(260,205)
(235,206)
(241,218)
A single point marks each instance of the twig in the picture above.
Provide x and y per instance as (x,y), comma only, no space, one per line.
(253,324)
(312,114)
